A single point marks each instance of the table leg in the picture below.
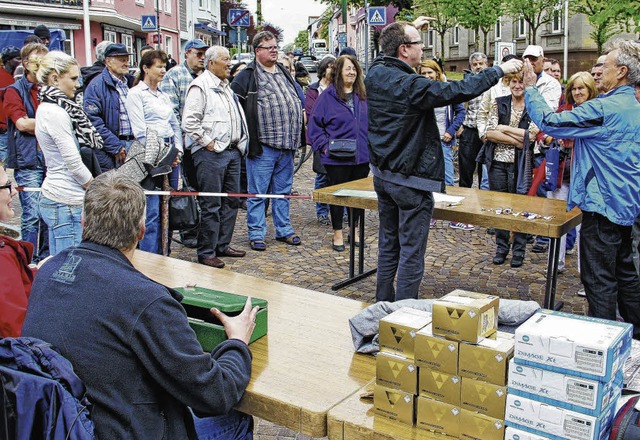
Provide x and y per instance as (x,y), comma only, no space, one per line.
(552,275)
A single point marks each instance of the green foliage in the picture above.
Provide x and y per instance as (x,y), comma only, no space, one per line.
(535,12)
(442,11)
(400,4)
(603,23)
(302,40)
(479,15)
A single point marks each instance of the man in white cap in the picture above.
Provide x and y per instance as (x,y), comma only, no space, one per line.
(547,85)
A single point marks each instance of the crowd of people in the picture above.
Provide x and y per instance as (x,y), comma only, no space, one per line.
(93,138)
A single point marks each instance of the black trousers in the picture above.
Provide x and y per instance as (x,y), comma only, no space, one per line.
(470,145)
(338,174)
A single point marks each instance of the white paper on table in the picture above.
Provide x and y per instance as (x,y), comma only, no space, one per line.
(438,197)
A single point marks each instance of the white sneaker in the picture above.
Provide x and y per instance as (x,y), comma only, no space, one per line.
(581,292)
(463,226)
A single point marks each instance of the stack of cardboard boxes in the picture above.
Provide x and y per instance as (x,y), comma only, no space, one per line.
(449,375)
(566,377)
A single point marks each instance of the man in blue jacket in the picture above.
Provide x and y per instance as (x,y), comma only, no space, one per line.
(104,103)
(406,151)
(127,336)
(604,181)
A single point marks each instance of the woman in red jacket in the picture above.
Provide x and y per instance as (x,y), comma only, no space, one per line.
(16,275)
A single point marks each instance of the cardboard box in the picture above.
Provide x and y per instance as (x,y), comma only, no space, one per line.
(394,404)
(465,316)
(398,372)
(440,386)
(435,352)
(488,360)
(512,433)
(483,397)
(198,301)
(398,330)
(436,416)
(475,426)
(587,396)
(578,345)
(548,420)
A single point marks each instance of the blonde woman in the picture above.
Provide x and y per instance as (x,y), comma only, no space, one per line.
(62,128)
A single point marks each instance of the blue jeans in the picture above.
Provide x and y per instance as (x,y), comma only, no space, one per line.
(152,240)
(32,228)
(448,164)
(607,270)
(64,223)
(272,169)
(322,181)
(3,147)
(484,182)
(232,426)
(404,229)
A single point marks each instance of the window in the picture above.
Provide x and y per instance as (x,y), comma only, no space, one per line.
(168,45)
(139,2)
(110,36)
(472,36)
(167,6)
(556,21)
(431,36)
(522,27)
(127,40)
(456,35)
(203,4)
(157,5)
(498,30)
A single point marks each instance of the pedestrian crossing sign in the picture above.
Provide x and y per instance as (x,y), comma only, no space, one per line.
(377,16)
(149,23)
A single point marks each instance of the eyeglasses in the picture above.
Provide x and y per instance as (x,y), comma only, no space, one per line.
(8,186)
(269,48)
(409,43)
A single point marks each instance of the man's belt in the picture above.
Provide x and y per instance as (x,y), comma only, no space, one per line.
(126,138)
(3,130)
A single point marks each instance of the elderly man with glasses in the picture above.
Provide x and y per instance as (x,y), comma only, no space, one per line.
(273,104)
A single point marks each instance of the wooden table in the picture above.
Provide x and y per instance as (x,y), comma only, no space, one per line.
(305,365)
(474,209)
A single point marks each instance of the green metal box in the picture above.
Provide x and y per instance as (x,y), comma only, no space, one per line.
(198,301)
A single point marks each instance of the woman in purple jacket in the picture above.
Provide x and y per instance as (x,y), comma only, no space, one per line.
(339,118)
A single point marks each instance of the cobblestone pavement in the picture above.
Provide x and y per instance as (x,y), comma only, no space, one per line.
(454,259)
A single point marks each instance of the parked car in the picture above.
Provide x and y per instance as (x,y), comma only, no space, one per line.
(244,56)
(310,62)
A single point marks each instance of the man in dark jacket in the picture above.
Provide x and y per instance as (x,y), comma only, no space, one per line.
(89,73)
(127,336)
(406,152)
(104,103)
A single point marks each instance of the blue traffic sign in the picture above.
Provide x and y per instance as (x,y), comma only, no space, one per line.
(239,17)
(377,16)
(149,23)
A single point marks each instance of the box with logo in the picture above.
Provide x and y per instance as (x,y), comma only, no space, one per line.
(476,426)
(587,396)
(512,433)
(548,420)
(394,404)
(395,371)
(440,386)
(465,316)
(398,330)
(198,302)
(488,360)
(436,352)
(578,345)
(436,416)
(483,397)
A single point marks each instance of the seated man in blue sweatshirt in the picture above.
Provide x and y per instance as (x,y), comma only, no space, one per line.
(128,337)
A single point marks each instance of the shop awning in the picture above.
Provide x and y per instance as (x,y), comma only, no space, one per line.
(211,30)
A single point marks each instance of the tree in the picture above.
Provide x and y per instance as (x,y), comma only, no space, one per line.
(534,12)
(438,9)
(302,40)
(598,13)
(478,15)
(400,4)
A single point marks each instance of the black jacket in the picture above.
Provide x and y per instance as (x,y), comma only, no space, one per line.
(403,133)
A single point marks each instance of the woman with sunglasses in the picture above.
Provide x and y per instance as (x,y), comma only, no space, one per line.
(16,275)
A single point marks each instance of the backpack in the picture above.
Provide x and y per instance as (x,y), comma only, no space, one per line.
(626,423)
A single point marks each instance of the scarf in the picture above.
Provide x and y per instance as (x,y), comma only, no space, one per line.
(85,132)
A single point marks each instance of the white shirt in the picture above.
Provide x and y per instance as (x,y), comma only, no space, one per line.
(66,173)
(152,110)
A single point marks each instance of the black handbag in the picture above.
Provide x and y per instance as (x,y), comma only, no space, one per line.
(318,168)
(342,149)
(184,211)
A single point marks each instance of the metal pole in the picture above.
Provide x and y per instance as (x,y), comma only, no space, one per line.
(87,32)
(239,37)
(566,39)
(159,45)
(366,36)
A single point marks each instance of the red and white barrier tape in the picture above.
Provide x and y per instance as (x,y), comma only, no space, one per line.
(205,194)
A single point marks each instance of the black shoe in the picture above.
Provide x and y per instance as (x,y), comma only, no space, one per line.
(539,248)
(499,259)
(517,260)
(356,244)
(337,247)
(212,262)
(491,231)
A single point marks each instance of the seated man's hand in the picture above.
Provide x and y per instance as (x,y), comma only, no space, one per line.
(241,326)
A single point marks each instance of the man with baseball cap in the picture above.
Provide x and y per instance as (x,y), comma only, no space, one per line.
(175,84)
(548,86)
(42,32)
(104,101)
